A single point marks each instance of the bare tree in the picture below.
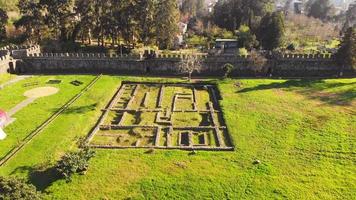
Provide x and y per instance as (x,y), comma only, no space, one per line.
(256,61)
(191,63)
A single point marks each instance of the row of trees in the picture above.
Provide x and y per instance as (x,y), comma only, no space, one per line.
(130,21)
(254,23)
(231,14)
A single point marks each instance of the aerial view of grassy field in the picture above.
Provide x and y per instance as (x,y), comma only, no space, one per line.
(293,139)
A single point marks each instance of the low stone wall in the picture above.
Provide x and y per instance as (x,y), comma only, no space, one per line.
(289,65)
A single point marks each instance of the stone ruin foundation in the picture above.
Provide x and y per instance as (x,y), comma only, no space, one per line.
(162,116)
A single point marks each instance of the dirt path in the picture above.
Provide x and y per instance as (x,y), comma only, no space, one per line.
(20,106)
(31,95)
(15,80)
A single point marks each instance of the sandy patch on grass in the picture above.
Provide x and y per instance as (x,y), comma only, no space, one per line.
(41,92)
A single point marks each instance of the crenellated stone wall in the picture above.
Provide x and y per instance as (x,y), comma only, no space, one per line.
(18,52)
(288,65)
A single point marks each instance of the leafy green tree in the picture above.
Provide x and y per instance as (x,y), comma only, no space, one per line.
(32,20)
(271,31)
(231,14)
(346,55)
(146,20)
(75,162)
(3,22)
(85,12)
(246,39)
(17,189)
(103,21)
(320,9)
(60,18)
(193,7)
(167,17)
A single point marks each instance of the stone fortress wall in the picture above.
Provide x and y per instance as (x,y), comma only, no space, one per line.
(31,60)
(289,65)
(9,54)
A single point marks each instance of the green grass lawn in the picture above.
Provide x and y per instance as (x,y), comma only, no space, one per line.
(32,116)
(303,132)
(5,77)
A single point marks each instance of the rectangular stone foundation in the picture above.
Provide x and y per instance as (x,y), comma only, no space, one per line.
(145,115)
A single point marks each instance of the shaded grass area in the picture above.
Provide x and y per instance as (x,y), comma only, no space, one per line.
(305,145)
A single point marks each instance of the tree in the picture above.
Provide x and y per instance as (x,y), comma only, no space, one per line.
(3,22)
(32,20)
(350,18)
(60,18)
(85,13)
(167,17)
(246,39)
(256,61)
(17,189)
(346,55)
(146,21)
(227,69)
(271,31)
(193,8)
(231,14)
(190,64)
(320,9)
(287,5)
(75,162)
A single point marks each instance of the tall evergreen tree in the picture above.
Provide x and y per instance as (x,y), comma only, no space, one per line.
(60,18)
(320,9)
(146,20)
(271,31)
(167,17)
(346,55)
(85,13)
(32,20)
(3,22)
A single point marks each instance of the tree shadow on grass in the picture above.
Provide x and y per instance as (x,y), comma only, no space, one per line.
(313,89)
(80,109)
(41,177)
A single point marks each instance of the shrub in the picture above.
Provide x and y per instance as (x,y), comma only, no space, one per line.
(227,69)
(75,162)
(196,41)
(242,52)
(291,47)
(13,188)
